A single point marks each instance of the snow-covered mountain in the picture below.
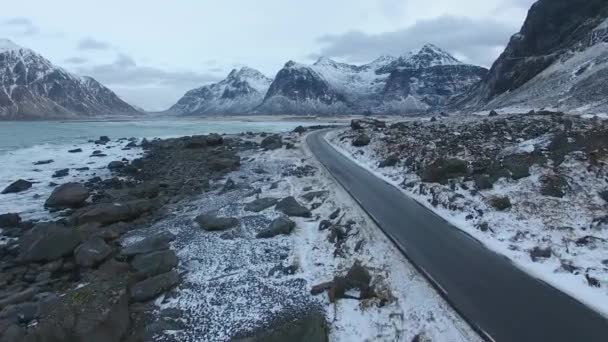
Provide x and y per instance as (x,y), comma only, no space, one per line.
(558,60)
(239,93)
(410,83)
(31,87)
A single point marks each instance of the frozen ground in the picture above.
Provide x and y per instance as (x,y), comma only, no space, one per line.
(234,283)
(572,227)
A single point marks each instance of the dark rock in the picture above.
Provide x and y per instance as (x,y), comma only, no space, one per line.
(152,287)
(214,140)
(500,203)
(604,195)
(272,142)
(280,226)
(261,204)
(299,129)
(356,124)
(47,242)
(68,195)
(290,207)
(230,185)
(76,150)
(311,327)
(224,163)
(10,220)
(61,173)
(540,253)
(108,213)
(83,168)
(357,278)
(115,165)
(361,140)
(21,313)
(17,186)
(97,312)
(483,182)
(309,196)
(554,186)
(390,161)
(155,263)
(154,243)
(92,252)
(441,170)
(213,223)
(104,139)
(131,144)
(335,214)
(44,162)
(493,113)
(324,224)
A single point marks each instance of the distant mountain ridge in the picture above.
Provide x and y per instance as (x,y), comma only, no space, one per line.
(31,87)
(414,82)
(559,60)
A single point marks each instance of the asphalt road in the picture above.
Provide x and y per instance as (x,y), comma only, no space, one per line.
(499,300)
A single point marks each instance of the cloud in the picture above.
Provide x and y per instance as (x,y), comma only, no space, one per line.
(475,40)
(76,60)
(22,26)
(93,44)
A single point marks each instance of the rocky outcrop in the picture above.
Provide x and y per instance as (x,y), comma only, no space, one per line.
(47,242)
(279,226)
(212,223)
(558,60)
(290,207)
(17,186)
(31,87)
(68,195)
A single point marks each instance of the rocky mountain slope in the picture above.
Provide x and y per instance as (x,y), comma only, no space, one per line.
(413,82)
(31,87)
(239,93)
(559,59)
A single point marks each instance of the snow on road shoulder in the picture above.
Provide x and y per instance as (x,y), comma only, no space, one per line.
(553,223)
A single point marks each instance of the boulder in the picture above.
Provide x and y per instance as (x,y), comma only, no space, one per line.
(290,207)
(309,196)
(229,185)
(310,326)
(92,252)
(152,287)
(493,113)
(280,226)
(441,170)
(76,150)
(68,195)
(154,243)
(104,138)
(260,204)
(357,278)
(116,165)
(44,162)
(483,182)
(553,186)
(155,263)
(540,253)
(390,161)
(47,242)
(108,213)
(17,186)
(224,162)
(214,139)
(61,173)
(272,142)
(356,124)
(213,223)
(604,195)
(10,220)
(361,140)
(96,312)
(299,130)
(500,203)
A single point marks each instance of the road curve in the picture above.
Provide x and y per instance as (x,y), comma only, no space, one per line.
(500,301)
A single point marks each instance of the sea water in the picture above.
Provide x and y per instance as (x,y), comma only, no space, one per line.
(24,143)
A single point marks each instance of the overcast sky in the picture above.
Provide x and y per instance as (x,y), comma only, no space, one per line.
(152,51)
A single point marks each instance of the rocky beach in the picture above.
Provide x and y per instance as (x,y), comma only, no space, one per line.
(209,237)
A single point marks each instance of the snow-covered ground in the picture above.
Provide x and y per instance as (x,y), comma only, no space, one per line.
(233,282)
(578,261)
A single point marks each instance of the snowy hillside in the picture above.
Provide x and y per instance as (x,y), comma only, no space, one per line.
(411,83)
(31,87)
(239,93)
(558,60)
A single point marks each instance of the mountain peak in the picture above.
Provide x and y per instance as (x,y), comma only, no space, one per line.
(325,61)
(434,55)
(8,45)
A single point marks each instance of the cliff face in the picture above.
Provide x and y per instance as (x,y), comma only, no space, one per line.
(558,59)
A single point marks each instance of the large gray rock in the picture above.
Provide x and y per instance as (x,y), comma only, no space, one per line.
(92,252)
(155,263)
(17,186)
(47,242)
(309,327)
(280,226)
(68,195)
(10,220)
(213,223)
(290,207)
(260,204)
(361,140)
(61,173)
(152,287)
(108,213)
(272,142)
(97,312)
(157,242)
